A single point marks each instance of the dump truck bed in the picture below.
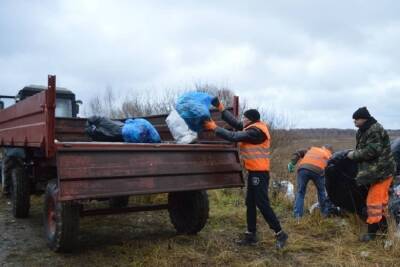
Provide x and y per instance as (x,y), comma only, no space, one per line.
(87,169)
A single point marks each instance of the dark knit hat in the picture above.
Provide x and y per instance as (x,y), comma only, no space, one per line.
(252,114)
(361,113)
(329,147)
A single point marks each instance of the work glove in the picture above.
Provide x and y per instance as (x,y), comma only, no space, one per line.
(291,167)
(216,103)
(210,125)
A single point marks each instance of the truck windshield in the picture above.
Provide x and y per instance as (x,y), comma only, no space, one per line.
(8,102)
(63,107)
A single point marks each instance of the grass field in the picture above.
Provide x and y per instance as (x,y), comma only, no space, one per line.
(148,239)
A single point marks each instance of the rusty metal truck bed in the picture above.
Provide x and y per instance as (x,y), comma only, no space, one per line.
(58,153)
(91,170)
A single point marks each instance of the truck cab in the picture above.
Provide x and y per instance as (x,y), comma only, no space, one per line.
(66,104)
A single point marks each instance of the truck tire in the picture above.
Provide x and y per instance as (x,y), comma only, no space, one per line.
(19,189)
(119,202)
(61,221)
(188,211)
(6,167)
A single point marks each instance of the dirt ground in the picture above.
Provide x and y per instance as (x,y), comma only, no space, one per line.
(22,241)
(149,239)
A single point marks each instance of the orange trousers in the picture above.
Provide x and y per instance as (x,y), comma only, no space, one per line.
(377,200)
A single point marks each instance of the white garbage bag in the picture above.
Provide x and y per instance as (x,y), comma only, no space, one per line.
(179,129)
(284,187)
(289,189)
(313,207)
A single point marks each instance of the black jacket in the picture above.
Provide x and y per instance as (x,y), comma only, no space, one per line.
(252,135)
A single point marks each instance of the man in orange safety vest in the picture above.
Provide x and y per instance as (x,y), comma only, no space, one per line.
(254,140)
(311,166)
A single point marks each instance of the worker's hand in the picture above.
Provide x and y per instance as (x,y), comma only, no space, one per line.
(210,125)
(291,167)
(350,154)
(216,103)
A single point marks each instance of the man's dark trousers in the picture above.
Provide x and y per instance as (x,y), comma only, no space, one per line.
(257,196)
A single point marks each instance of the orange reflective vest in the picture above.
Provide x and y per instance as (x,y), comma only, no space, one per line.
(316,157)
(256,157)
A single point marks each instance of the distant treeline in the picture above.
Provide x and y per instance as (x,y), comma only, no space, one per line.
(329,132)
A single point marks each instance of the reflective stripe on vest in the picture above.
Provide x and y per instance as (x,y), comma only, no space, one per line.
(317,157)
(256,157)
(377,200)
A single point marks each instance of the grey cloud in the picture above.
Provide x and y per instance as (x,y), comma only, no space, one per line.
(315,60)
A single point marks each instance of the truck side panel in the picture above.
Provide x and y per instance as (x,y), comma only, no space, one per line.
(30,122)
(24,123)
(89,171)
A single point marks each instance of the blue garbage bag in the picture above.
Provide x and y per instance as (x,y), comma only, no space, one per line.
(140,131)
(194,108)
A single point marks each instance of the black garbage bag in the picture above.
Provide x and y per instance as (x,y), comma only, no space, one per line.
(103,129)
(341,186)
(394,199)
(395,146)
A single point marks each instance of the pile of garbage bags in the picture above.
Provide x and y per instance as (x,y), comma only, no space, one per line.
(132,131)
(184,123)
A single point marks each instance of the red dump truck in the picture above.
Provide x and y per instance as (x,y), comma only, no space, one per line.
(57,156)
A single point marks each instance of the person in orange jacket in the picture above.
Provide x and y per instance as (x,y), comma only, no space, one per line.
(311,165)
(254,140)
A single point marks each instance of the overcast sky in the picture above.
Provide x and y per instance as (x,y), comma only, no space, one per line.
(317,61)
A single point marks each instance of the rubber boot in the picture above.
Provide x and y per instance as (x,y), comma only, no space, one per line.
(383,225)
(281,238)
(248,239)
(371,234)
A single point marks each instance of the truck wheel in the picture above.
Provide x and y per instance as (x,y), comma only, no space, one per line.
(20,189)
(61,221)
(119,202)
(6,167)
(188,211)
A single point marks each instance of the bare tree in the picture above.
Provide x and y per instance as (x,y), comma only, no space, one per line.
(95,106)
(225,95)
(144,104)
(279,125)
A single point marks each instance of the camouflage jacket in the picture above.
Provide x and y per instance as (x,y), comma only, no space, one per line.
(373,154)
